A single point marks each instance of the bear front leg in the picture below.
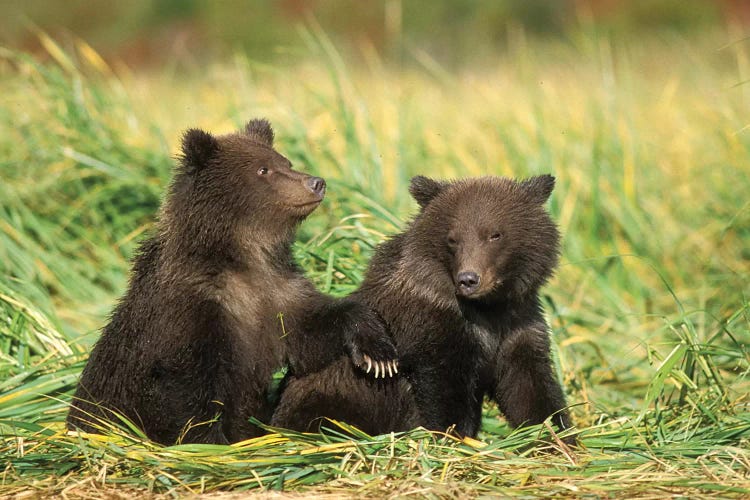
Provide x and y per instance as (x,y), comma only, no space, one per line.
(527,391)
(183,395)
(333,327)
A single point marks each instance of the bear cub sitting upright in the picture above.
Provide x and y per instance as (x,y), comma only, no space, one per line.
(216,304)
(459,291)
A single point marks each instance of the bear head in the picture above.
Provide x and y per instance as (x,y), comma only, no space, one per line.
(232,193)
(491,236)
(246,176)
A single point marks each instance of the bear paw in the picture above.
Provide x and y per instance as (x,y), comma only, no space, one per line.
(381,357)
(371,348)
(367,339)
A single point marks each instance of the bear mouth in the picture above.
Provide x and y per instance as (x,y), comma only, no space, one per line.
(309,204)
(304,209)
(468,294)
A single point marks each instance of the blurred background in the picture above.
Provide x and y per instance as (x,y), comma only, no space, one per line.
(145,33)
(639,108)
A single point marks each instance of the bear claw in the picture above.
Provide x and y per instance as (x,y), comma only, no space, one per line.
(381,367)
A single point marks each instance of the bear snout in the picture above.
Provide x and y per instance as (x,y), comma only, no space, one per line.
(468,282)
(316,185)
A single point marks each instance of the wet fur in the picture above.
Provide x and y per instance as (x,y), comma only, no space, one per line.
(189,352)
(453,350)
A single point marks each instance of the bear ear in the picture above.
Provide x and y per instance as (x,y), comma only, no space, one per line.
(538,188)
(261,131)
(198,147)
(424,189)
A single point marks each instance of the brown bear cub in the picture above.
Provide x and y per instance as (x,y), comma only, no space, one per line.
(216,304)
(459,291)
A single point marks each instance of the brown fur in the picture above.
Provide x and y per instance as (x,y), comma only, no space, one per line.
(458,341)
(190,349)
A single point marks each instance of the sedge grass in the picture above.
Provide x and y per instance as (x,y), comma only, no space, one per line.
(650,145)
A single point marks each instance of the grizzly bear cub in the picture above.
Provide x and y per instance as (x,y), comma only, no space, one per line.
(216,304)
(459,291)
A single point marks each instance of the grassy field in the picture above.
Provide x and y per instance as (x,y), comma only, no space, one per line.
(649,140)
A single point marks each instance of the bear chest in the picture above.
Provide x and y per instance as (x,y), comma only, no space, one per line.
(484,338)
(487,343)
(259,311)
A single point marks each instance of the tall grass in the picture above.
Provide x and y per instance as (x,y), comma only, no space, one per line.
(649,142)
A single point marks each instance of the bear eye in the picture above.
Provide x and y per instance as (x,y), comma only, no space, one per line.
(262,170)
(495,236)
(452,241)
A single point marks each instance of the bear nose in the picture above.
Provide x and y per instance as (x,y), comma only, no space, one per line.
(468,282)
(317,185)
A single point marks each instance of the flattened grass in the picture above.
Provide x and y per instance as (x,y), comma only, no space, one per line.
(649,143)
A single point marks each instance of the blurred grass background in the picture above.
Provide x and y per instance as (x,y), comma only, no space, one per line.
(640,109)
